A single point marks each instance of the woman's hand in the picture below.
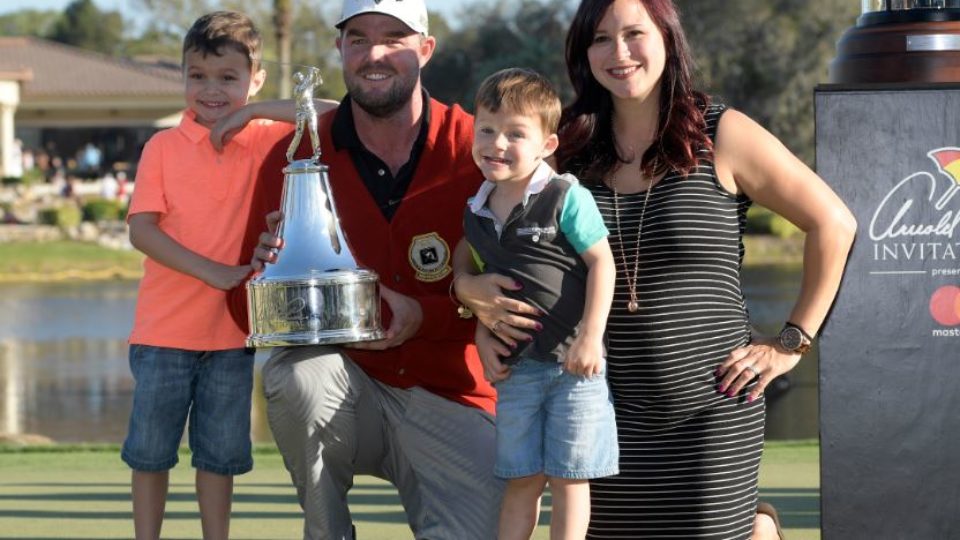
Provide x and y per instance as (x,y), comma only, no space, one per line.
(508,318)
(490,350)
(763,359)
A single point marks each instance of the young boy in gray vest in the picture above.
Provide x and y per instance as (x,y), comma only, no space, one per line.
(555,420)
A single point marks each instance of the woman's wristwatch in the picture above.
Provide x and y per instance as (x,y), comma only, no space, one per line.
(793,339)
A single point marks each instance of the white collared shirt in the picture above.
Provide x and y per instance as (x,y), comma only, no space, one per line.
(538,180)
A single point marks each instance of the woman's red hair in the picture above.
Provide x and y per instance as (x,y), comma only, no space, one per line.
(587,148)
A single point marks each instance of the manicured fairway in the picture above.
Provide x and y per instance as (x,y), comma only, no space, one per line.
(78,492)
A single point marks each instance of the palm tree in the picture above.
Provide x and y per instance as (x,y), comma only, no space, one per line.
(282,23)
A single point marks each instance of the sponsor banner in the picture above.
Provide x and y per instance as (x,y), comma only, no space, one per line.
(914,238)
(890,353)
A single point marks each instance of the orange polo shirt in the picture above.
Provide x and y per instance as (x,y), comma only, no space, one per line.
(202,198)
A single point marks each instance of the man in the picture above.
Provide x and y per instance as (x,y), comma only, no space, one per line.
(412,408)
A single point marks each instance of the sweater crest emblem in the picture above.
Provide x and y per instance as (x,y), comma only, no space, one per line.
(429,255)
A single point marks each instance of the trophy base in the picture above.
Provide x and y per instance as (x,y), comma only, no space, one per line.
(314,338)
(899,52)
(319,309)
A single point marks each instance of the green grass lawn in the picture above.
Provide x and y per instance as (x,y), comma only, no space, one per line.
(49,261)
(79,492)
(762,249)
(62,260)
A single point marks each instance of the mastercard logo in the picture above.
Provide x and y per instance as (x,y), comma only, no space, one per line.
(945,306)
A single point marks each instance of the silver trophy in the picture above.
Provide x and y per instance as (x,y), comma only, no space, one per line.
(315,293)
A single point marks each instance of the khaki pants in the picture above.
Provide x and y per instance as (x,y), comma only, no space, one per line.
(331,421)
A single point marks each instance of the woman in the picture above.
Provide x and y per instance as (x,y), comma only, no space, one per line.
(673,176)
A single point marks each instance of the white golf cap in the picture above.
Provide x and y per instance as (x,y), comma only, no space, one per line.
(412,13)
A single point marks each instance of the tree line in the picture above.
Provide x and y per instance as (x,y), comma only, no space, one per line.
(763,57)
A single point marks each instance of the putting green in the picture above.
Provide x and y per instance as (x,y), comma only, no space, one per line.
(83,492)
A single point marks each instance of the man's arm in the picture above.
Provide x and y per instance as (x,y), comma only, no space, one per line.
(483,294)
(263,215)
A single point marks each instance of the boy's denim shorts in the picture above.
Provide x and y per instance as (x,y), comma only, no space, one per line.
(213,388)
(550,421)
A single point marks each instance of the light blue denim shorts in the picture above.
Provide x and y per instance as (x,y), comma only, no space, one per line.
(552,422)
(212,388)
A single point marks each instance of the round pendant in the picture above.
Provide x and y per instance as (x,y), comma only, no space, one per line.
(633,306)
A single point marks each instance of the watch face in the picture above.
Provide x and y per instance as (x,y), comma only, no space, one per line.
(791,338)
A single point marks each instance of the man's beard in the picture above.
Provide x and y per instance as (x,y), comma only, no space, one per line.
(382,105)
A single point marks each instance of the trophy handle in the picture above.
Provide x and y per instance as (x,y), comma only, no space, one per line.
(333,221)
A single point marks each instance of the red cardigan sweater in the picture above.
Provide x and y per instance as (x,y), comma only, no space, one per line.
(411,253)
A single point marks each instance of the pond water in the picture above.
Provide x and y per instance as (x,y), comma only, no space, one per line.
(64,372)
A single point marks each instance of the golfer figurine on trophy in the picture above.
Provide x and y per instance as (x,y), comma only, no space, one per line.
(315,293)
(306,112)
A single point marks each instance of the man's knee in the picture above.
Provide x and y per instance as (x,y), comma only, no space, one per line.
(294,374)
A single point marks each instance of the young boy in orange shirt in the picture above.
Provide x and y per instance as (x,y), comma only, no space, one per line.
(186,353)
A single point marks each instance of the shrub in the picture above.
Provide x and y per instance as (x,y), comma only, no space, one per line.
(760,220)
(782,228)
(65,217)
(33,176)
(101,210)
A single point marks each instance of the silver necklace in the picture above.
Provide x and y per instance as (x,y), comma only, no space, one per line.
(632,305)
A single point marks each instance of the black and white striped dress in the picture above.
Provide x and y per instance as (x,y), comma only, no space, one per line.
(689,456)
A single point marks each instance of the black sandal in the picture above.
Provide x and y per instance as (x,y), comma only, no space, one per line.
(767,509)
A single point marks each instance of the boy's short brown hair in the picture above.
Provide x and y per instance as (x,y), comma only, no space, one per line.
(522,91)
(219,29)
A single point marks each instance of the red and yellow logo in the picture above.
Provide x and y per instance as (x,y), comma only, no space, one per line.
(945,305)
(945,302)
(948,159)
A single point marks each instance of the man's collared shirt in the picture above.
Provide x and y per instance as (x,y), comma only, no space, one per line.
(385,188)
